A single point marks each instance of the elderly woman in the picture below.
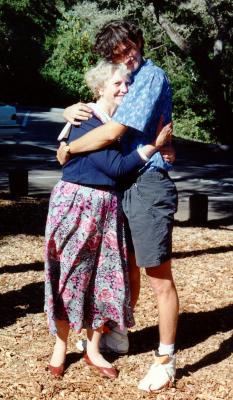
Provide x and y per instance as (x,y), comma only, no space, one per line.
(86,276)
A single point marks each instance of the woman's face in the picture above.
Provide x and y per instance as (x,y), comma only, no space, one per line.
(115,88)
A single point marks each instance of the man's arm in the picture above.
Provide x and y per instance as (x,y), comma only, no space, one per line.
(94,140)
(98,138)
(163,136)
(114,164)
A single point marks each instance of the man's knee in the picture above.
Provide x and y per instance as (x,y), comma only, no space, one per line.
(162,271)
(160,278)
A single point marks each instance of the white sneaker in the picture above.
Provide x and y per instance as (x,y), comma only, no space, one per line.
(161,374)
(115,341)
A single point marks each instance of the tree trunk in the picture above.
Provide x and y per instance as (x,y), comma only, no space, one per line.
(210,72)
(212,81)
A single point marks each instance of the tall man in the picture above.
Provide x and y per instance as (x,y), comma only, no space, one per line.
(150,203)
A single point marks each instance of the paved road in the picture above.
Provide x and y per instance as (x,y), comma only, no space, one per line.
(199,168)
(208,170)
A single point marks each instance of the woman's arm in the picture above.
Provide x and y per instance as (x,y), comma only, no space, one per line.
(114,164)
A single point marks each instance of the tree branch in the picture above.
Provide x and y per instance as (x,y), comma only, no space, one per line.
(221,29)
(175,37)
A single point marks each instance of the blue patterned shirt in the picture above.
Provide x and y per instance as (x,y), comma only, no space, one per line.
(148,98)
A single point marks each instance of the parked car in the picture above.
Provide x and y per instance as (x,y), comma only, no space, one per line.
(8,120)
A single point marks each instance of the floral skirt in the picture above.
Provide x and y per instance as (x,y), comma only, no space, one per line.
(86,272)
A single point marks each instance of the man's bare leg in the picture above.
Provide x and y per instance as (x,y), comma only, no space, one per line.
(161,374)
(163,286)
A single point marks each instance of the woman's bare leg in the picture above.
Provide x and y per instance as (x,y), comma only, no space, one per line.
(93,339)
(59,351)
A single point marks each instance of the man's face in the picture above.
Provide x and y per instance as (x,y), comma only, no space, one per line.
(129,54)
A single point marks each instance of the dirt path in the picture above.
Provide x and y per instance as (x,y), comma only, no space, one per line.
(203,262)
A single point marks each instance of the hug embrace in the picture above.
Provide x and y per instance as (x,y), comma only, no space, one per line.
(112,212)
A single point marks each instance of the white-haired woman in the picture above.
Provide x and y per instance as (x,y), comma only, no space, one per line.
(86,276)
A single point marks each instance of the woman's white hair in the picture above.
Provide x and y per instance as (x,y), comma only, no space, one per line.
(97,76)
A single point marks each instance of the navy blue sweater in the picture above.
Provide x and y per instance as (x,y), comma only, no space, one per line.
(101,167)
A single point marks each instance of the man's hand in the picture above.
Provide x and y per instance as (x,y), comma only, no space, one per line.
(164,136)
(77,112)
(168,153)
(62,155)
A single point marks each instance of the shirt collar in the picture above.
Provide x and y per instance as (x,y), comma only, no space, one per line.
(143,64)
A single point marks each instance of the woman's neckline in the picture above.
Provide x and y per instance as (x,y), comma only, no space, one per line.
(99,112)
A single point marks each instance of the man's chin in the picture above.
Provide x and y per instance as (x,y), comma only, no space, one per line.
(133,66)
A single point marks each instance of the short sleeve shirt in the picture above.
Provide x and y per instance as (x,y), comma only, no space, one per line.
(148,98)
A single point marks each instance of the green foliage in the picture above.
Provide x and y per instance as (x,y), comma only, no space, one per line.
(23,28)
(193,114)
(202,30)
(71,48)
(192,126)
(70,59)
(190,40)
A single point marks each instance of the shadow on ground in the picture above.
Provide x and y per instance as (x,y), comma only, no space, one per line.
(27,215)
(23,215)
(190,334)
(29,300)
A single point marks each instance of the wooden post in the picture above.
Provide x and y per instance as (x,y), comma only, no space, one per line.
(18,182)
(198,209)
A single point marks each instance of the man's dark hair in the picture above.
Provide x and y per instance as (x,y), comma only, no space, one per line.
(114,33)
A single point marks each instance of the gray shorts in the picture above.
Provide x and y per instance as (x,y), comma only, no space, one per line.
(150,205)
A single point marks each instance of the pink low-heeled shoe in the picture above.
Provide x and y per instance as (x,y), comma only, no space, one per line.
(111,373)
(56,371)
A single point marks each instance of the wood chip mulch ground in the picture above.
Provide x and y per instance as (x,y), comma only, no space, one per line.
(202,266)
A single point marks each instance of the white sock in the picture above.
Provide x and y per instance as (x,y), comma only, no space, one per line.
(166,349)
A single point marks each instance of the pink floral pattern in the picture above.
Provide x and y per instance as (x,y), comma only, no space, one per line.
(86,273)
